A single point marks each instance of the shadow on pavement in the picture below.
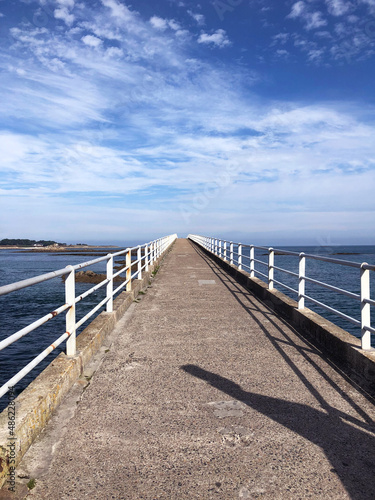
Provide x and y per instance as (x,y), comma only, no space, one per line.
(350,450)
(251,304)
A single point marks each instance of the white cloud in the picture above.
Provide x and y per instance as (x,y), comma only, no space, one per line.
(298,9)
(281,38)
(63,11)
(353,19)
(66,3)
(323,34)
(199,18)
(369,3)
(91,41)
(183,33)
(118,10)
(338,7)
(174,25)
(117,124)
(282,53)
(114,52)
(348,36)
(219,38)
(162,24)
(313,20)
(315,55)
(64,14)
(158,23)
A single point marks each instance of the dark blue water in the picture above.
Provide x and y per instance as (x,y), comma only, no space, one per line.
(344,277)
(20,308)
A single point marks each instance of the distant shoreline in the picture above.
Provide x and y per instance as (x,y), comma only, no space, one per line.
(54,249)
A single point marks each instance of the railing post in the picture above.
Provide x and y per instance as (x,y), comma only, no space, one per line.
(225,250)
(109,306)
(147,257)
(231,253)
(301,280)
(139,259)
(150,253)
(212,245)
(271,262)
(70,318)
(219,248)
(239,262)
(128,264)
(252,261)
(365,307)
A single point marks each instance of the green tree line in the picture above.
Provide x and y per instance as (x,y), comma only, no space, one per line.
(27,243)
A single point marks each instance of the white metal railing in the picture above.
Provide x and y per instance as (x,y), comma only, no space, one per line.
(146,255)
(220,248)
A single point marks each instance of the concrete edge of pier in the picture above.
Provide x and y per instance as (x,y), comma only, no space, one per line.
(35,405)
(342,347)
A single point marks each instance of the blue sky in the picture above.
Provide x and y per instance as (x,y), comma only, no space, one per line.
(251,120)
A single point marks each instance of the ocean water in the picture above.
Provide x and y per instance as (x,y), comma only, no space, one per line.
(341,276)
(20,308)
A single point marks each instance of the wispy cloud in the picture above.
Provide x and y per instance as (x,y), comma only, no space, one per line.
(199,18)
(339,7)
(91,40)
(369,3)
(341,31)
(120,111)
(218,38)
(312,19)
(159,23)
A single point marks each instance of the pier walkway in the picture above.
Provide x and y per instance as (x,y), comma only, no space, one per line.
(205,393)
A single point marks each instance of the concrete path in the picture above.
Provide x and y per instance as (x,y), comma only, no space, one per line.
(207,394)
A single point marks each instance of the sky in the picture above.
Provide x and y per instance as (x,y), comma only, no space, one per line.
(251,120)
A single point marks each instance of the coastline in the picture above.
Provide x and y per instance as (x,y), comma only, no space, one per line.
(65,249)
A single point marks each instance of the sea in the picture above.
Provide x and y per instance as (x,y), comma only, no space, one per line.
(21,308)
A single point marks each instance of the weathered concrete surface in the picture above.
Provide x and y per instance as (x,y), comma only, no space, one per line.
(207,394)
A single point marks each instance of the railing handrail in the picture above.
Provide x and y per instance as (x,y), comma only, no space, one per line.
(19,285)
(215,245)
(147,254)
(349,263)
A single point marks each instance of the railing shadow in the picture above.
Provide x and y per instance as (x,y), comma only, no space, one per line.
(250,303)
(349,449)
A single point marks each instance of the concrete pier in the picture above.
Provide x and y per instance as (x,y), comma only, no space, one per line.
(203,392)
